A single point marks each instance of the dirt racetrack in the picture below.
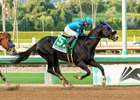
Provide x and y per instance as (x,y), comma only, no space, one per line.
(76,93)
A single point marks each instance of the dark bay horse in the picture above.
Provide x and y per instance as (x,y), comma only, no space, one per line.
(83,53)
(9,46)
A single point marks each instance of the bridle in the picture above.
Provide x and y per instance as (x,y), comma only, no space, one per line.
(8,47)
(2,38)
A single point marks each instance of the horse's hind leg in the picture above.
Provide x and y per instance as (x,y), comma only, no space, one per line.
(57,73)
(83,66)
(57,70)
(4,78)
(52,64)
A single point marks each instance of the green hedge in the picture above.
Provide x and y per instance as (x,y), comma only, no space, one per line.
(26,36)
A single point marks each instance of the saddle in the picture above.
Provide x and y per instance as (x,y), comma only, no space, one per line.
(60,42)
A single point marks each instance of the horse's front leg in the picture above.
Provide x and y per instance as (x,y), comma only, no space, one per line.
(83,66)
(4,78)
(95,64)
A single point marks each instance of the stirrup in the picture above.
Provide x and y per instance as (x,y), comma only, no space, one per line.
(68,46)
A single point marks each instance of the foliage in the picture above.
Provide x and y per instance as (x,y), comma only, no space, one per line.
(118,6)
(87,7)
(110,12)
(9,26)
(49,23)
(0,9)
(101,7)
(42,15)
(115,23)
(131,6)
(9,4)
(60,26)
(73,7)
(134,22)
(26,24)
(137,8)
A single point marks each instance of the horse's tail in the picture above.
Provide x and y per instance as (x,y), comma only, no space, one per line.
(24,55)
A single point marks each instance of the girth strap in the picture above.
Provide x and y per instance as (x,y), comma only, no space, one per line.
(70,58)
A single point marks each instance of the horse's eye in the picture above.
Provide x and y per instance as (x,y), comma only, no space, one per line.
(108,28)
(9,40)
(113,33)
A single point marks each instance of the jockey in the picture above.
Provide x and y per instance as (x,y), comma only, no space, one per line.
(76,28)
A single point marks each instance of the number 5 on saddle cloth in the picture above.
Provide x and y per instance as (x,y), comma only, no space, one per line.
(60,42)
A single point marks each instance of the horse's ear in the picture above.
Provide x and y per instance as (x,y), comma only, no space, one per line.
(4,32)
(101,22)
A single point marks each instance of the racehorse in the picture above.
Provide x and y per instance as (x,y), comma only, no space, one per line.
(83,53)
(9,46)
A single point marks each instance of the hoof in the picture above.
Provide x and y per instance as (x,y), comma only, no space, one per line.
(78,77)
(103,84)
(63,83)
(70,85)
(12,87)
(104,81)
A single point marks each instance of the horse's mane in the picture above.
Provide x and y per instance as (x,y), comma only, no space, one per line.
(83,37)
(95,29)
(6,33)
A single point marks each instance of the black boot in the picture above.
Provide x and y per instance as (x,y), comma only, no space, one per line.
(68,44)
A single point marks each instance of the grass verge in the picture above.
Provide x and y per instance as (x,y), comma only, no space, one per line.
(38,78)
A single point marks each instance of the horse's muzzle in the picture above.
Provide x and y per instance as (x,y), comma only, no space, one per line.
(12,45)
(116,37)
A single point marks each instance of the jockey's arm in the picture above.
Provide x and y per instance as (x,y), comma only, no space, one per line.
(80,30)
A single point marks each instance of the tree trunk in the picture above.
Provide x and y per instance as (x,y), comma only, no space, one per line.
(81,12)
(94,12)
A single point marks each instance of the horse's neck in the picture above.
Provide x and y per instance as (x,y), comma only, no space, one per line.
(92,43)
(94,38)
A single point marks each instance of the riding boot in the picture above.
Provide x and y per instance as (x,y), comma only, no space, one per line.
(68,44)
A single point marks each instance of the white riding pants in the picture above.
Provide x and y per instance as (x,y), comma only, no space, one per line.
(70,31)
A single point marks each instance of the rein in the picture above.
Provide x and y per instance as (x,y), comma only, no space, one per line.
(90,37)
(93,37)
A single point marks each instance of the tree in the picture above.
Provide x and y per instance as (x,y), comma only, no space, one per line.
(25,24)
(137,8)
(49,23)
(0,10)
(73,7)
(111,12)
(81,11)
(36,9)
(61,15)
(134,22)
(9,4)
(87,7)
(60,26)
(94,12)
(115,23)
(131,6)
(21,13)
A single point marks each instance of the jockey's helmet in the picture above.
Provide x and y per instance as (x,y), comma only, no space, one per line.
(88,20)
